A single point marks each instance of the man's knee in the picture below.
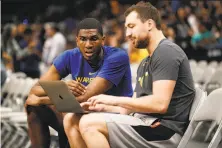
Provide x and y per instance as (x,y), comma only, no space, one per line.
(70,121)
(91,123)
(35,113)
(32,112)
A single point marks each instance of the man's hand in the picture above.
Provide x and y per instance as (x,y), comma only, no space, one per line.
(76,88)
(103,99)
(33,100)
(87,106)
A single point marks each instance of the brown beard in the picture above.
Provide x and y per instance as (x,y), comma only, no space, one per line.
(142,43)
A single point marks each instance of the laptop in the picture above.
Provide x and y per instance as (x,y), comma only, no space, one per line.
(61,96)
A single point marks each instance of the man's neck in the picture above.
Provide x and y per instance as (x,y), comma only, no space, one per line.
(95,64)
(156,37)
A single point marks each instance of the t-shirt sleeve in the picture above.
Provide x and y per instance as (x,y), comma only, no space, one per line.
(165,64)
(61,63)
(114,67)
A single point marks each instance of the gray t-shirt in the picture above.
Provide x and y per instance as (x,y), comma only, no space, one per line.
(169,62)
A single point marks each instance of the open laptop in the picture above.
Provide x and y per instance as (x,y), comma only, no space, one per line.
(61,96)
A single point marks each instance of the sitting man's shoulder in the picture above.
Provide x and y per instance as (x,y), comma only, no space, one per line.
(115,53)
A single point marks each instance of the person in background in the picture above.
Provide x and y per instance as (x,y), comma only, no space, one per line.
(29,63)
(3,73)
(11,50)
(205,38)
(54,44)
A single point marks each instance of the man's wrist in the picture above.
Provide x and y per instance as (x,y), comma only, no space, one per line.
(120,101)
(105,108)
(81,99)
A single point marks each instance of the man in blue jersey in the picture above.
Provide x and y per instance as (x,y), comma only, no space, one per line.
(95,69)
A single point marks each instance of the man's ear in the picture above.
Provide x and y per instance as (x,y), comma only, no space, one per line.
(77,41)
(150,24)
(103,40)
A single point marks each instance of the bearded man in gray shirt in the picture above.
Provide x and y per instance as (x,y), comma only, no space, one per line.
(158,116)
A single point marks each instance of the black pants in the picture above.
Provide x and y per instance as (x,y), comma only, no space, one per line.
(154,134)
(39,118)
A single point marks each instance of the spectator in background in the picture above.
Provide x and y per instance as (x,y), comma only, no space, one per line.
(182,29)
(20,30)
(26,38)
(11,50)
(192,19)
(175,5)
(206,19)
(29,63)
(3,72)
(170,34)
(54,44)
(203,39)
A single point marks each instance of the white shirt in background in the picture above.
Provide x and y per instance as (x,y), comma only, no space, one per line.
(53,47)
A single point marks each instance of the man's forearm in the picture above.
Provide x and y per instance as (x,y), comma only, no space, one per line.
(116,109)
(97,86)
(146,104)
(81,98)
(37,90)
(45,101)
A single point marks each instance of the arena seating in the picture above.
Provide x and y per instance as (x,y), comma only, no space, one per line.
(13,117)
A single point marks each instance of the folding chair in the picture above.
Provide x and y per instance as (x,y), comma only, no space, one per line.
(217,137)
(28,84)
(208,110)
(202,64)
(175,139)
(19,138)
(213,64)
(199,98)
(7,88)
(206,77)
(197,74)
(5,109)
(193,65)
(8,131)
(13,135)
(20,75)
(200,95)
(9,91)
(215,82)
(17,102)
(220,64)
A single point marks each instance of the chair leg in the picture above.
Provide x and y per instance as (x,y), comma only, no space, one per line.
(212,127)
(216,138)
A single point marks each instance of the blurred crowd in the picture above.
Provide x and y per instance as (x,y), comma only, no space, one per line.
(196,26)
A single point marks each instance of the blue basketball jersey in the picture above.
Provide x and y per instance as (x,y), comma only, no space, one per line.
(114,67)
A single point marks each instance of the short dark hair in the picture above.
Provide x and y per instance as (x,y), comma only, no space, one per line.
(145,11)
(90,23)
